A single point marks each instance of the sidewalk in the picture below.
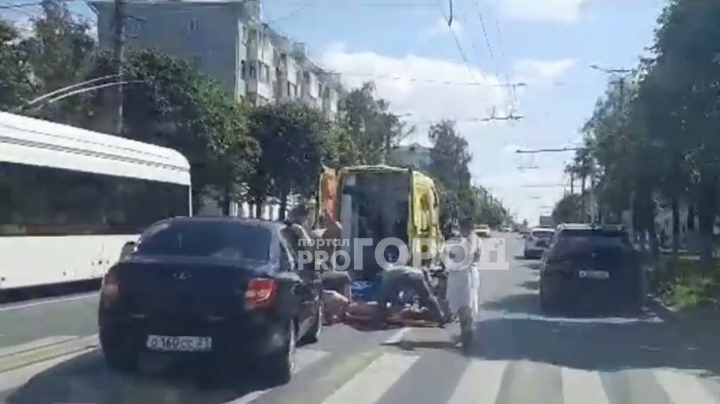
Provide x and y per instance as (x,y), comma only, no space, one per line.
(699,327)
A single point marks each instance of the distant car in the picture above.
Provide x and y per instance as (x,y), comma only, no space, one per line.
(537,241)
(218,289)
(507,229)
(591,264)
(482,230)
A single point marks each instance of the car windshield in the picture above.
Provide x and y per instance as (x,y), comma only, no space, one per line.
(212,239)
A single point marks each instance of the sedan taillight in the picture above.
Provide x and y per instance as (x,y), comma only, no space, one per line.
(260,292)
(110,287)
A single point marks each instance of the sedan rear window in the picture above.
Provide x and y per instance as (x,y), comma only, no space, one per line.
(542,234)
(598,238)
(601,243)
(212,239)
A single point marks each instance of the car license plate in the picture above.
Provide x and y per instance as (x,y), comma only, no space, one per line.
(594,274)
(179,344)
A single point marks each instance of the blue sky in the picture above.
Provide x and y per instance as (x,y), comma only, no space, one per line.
(548,44)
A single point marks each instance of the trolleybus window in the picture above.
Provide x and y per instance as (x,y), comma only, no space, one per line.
(46,201)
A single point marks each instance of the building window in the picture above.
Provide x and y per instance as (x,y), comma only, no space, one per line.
(252,36)
(244,34)
(253,71)
(193,25)
(264,73)
(243,71)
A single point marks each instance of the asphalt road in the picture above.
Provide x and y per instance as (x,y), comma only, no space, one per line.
(521,357)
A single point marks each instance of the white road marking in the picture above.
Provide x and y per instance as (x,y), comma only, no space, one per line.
(36,344)
(373,381)
(397,337)
(305,358)
(481,383)
(582,387)
(683,388)
(16,378)
(49,301)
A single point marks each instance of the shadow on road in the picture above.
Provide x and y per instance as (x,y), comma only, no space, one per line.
(532,285)
(527,263)
(605,344)
(415,345)
(86,379)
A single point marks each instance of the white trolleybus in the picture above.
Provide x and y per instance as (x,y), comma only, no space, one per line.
(70,199)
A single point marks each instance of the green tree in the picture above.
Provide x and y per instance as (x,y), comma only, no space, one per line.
(15,85)
(294,139)
(61,53)
(449,156)
(654,137)
(172,105)
(369,122)
(567,209)
(449,159)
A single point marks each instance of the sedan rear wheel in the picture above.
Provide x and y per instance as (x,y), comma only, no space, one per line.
(281,364)
(547,304)
(118,356)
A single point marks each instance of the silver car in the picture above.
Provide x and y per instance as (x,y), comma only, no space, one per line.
(537,242)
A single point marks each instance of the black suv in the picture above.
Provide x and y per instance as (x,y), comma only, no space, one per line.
(590,264)
(222,289)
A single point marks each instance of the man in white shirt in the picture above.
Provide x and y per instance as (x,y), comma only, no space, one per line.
(463,283)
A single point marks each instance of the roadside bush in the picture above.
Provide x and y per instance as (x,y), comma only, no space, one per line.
(682,284)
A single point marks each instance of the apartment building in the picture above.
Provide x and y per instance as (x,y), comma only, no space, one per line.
(414,155)
(227,41)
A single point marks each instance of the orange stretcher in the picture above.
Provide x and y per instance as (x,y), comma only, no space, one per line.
(404,318)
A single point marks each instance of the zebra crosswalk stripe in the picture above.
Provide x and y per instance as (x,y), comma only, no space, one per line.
(682,387)
(305,358)
(582,387)
(481,383)
(372,382)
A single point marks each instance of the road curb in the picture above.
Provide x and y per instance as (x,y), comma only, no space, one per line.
(25,358)
(663,311)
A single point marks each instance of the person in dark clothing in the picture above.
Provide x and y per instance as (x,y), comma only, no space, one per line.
(397,279)
(297,229)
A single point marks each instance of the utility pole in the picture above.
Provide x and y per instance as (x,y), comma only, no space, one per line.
(620,76)
(119,59)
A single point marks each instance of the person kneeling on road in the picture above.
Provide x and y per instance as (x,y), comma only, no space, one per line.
(400,278)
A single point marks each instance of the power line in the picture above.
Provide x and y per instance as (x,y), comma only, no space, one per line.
(394,77)
(558,185)
(457,42)
(558,150)
(490,118)
(8,6)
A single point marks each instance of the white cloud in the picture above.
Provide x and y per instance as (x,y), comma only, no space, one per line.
(413,84)
(529,193)
(441,27)
(541,71)
(407,83)
(565,11)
